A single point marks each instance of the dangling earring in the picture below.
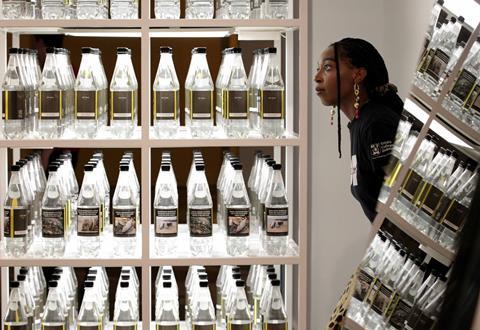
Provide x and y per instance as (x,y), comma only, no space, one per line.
(332,114)
(356,104)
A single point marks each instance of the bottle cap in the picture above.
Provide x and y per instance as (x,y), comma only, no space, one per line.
(236,276)
(203,276)
(21,277)
(236,50)
(204,284)
(52,284)
(21,162)
(14,284)
(93,163)
(92,271)
(266,156)
(91,277)
(59,161)
(58,271)
(236,269)
(124,168)
(200,167)
(271,163)
(403,253)
(240,284)
(199,50)
(270,270)
(440,2)
(50,50)
(14,51)
(167,284)
(15,168)
(96,51)
(124,50)
(88,168)
(461,19)
(237,167)
(167,271)
(270,50)
(166,50)
(87,50)
(125,277)
(23,271)
(124,284)
(64,51)
(277,167)
(275,282)
(88,284)
(453,19)
(272,276)
(166,277)
(165,168)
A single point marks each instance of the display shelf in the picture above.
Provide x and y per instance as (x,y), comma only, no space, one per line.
(428,245)
(196,143)
(257,24)
(351,324)
(70,23)
(80,143)
(74,262)
(459,126)
(428,103)
(255,254)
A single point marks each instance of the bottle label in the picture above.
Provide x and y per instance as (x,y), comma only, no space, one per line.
(53,222)
(200,222)
(426,60)
(455,216)
(168,327)
(165,104)
(431,199)
(88,221)
(122,105)
(166,222)
(237,105)
(239,326)
(124,222)
(474,101)
(276,221)
(275,326)
(16,327)
(464,85)
(410,185)
(272,104)
(437,65)
(87,104)
(442,208)
(13,105)
(364,282)
(50,104)
(16,222)
(238,221)
(53,327)
(201,104)
(382,299)
(398,312)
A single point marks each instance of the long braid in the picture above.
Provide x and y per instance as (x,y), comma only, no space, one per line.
(339,123)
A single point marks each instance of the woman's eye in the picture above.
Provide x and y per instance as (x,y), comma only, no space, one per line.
(327,67)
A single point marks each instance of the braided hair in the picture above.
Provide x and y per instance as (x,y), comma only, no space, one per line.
(363,54)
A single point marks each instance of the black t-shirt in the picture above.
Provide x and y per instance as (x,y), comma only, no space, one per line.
(372,136)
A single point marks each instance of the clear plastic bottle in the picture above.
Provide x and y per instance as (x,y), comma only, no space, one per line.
(166,96)
(53,316)
(87,97)
(124,9)
(236,102)
(239,317)
(16,316)
(276,215)
(167,9)
(199,212)
(276,9)
(92,9)
(166,211)
(167,309)
(237,205)
(238,9)
(88,214)
(125,313)
(257,10)
(65,70)
(253,87)
(54,217)
(53,9)
(90,314)
(124,213)
(199,9)
(14,97)
(101,77)
(203,312)
(16,214)
(123,100)
(272,97)
(14,9)
(51,105)
(220,84)
(275,316)
(29,87)
(199,91)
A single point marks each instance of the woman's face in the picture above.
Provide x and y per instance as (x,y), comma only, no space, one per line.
(326,78)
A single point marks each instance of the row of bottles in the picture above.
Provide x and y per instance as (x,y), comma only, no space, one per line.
(437,191)
(259,212)
(35,304)
(71,9)
(56,212)
(399,289)
(236,103)
(256,303)
(52,102)
(440,56)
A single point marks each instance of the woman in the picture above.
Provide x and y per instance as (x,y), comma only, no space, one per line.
(352,77)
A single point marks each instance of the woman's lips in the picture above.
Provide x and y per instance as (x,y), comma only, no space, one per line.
(319,90)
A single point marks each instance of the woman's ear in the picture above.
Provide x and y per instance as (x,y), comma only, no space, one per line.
(359,74)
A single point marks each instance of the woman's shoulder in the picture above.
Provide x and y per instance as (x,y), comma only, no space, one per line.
(376,113)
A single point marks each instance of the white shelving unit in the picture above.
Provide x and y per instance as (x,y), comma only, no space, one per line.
(295,145)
